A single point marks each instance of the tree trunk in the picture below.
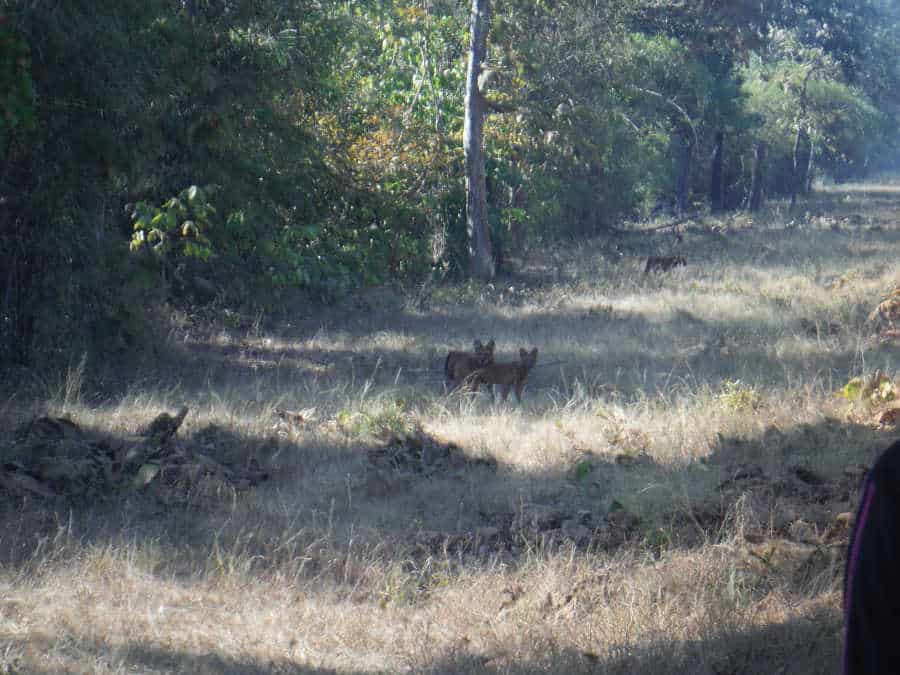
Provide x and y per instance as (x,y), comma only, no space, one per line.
(684,174)
(717,181)
(810,174)
(480,254)
(802,144)
(756,184)
(802,151)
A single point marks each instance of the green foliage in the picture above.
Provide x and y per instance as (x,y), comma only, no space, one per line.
(804,86)
(392,420)
(16,88)
(657,540)
(876,390)
(333,261)
(177,228)
(852,391)
(581,470)
(334,131)
(850,127)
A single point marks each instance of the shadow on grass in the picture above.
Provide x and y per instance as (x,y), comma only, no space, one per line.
(810,645)
(318,522)
(322,507)
(624,351)
(416,496)
(140,657)
(601,342)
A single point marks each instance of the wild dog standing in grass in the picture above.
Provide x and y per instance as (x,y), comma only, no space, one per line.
(506,375)
(460,365)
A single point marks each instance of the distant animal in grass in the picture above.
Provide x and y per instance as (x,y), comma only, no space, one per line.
(460,365)
(506,375)
(663,263)
(888,310)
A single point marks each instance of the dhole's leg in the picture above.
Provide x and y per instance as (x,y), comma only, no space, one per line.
(471,382)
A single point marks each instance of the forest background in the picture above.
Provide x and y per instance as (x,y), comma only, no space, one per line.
(257,154)
(253,212)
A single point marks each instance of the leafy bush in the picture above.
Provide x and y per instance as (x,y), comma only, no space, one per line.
(182,220)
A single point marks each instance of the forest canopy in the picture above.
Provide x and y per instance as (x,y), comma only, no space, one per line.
(254,153)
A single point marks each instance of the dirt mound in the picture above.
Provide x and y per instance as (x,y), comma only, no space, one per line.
(54,458)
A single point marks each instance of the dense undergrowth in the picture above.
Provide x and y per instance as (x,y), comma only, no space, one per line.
(256,156)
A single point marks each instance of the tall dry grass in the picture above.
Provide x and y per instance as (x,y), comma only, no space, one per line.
(652,393)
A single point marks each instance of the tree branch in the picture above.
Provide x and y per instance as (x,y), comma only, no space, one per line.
(674,104)
(634,126)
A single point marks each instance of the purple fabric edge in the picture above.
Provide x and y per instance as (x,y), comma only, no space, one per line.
(851,567)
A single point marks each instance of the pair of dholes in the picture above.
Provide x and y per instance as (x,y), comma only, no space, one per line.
(472,369)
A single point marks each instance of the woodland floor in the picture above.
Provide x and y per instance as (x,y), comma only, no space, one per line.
(672,496)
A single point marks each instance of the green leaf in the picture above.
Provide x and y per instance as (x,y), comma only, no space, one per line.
(582,470)
(310,231)
(885,388)
(852,390)
(142,210)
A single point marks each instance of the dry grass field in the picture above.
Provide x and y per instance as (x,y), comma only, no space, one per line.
(670,497)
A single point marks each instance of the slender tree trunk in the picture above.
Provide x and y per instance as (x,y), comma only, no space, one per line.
(802,144)
(480,254)
(684,174)
(756,184)
(717,181)
(802,152)
(810,174)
